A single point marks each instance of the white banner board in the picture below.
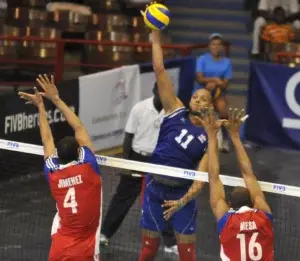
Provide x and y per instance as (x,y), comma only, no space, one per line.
(148,79)
(105,100)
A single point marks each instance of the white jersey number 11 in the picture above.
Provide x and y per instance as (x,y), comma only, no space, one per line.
(188,139)
(70,200)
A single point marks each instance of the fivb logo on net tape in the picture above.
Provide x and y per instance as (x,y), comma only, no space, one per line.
(279,187)
(13,145)
(101,159)
(189,173)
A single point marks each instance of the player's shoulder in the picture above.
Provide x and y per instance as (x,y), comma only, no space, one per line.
(52,163)
(181,111)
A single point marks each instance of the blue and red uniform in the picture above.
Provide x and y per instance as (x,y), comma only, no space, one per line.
(76,188)
(246,235)
(180,144)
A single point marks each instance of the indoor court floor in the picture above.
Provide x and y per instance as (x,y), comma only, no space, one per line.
(27,210)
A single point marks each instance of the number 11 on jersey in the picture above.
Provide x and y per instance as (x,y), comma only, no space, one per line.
(187,141)
(70,200)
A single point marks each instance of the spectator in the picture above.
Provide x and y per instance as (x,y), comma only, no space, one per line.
(213,72)
(266,7)
(140,141)
(278,32)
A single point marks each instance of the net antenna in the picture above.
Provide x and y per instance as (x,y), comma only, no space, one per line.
(158,169)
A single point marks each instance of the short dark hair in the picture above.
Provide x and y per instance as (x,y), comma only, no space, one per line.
(279,9)
(67,149)
(240,197)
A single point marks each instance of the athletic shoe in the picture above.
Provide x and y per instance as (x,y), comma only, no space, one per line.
(172,250)
(103,240)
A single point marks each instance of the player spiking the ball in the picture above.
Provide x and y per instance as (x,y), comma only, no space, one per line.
(244,222)
(74,178)
(182,143)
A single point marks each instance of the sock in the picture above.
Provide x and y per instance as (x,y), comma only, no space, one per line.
(187,252)
(149,248)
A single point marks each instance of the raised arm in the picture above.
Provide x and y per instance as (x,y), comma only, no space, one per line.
(45,131)
(165,87)
(51,92)
(247,173)
(216,189)
(233,126)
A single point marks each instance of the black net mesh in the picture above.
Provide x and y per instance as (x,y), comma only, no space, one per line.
(27,211)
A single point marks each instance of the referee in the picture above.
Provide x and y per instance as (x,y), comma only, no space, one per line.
(141,134)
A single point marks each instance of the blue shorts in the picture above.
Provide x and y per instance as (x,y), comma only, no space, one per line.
(183,221)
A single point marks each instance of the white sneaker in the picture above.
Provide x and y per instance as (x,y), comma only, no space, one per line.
(103,240)
(172,250)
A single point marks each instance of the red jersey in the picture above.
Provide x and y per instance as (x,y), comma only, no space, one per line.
(246,235)
(76,188)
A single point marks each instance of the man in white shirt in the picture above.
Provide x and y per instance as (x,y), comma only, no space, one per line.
(141,134)
(265,8)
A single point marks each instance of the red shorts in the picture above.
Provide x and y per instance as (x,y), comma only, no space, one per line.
(73,258)
(66,248)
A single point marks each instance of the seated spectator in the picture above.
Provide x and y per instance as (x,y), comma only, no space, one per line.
(266,7)
(278,32)
(213,72)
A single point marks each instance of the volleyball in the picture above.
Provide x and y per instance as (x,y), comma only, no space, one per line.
(157,17)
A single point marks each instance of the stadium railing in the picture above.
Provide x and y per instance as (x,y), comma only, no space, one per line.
(287,58)
(59,63)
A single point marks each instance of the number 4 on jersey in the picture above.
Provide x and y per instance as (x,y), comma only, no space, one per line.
(70,200)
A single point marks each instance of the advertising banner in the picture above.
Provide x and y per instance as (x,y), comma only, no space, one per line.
(106,99)
(274,106)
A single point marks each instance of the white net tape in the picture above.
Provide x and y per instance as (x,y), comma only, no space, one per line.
(157,169)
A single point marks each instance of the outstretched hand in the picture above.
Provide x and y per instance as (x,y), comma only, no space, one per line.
(36,98)
(207,119)
(48,86)
(235,120)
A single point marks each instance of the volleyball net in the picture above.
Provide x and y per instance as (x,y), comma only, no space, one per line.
(27,208)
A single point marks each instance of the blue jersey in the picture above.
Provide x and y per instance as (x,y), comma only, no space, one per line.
(180,144)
